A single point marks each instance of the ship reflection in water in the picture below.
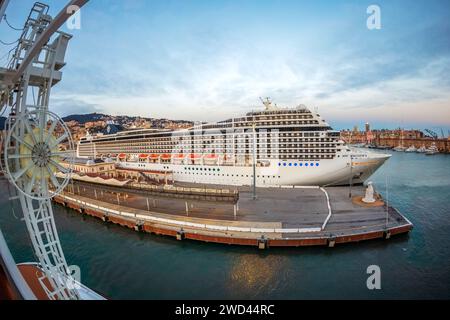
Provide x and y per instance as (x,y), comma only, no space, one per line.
(255,274)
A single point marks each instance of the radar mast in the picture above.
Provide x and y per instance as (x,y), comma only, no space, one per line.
(267,102)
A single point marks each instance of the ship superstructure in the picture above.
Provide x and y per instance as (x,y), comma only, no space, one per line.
(288,146)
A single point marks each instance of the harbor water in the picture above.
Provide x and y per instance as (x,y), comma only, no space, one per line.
(123,264)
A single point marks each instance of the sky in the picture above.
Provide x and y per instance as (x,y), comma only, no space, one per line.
(212,60)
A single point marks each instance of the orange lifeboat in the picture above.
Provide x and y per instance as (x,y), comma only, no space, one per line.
(122,155)
(154,156)
(143,156)
(166,156)
(178,156)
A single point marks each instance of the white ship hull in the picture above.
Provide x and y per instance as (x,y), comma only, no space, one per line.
(320,173)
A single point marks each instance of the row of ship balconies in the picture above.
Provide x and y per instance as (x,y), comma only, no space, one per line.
(216,141)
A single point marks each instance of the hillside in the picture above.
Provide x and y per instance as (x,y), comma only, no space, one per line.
(83,118)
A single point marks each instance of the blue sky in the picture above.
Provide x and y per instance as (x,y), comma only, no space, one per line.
(210,60)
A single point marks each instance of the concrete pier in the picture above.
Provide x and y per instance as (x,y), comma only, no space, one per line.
(291,216)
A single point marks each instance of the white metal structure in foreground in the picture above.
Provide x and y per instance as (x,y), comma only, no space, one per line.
(36,139)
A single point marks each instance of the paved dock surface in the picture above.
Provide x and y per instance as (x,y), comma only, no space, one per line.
(284,208)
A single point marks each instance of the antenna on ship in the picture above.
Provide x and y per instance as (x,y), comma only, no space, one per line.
(266,102)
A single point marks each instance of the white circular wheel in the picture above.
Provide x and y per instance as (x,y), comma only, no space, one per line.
(39,154)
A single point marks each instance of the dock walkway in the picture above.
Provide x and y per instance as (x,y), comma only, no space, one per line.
(278,217)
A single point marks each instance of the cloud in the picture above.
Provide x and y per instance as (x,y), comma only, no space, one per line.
(64,105)
(210,61)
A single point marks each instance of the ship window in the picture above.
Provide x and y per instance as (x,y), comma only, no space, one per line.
(306,164)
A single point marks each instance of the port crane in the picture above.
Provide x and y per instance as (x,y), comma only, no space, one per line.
(433,134)
(36,139)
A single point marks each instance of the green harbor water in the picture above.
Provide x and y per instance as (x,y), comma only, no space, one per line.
(123,264)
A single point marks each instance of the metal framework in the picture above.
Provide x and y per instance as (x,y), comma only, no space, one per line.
(37,139)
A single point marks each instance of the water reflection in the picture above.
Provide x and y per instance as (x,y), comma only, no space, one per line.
(254,274)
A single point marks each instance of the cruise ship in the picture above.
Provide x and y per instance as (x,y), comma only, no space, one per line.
(282,146)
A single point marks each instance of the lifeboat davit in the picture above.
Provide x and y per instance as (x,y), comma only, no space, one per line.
(194,156)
